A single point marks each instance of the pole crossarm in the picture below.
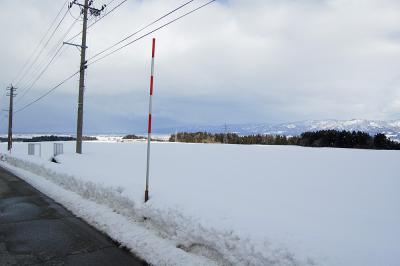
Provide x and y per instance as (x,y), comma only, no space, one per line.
(73,44)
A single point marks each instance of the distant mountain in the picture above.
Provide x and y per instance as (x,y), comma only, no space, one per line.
(390,128)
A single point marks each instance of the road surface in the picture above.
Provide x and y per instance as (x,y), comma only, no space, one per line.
(35,230)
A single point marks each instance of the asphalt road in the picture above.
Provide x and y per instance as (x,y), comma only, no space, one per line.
(35,230)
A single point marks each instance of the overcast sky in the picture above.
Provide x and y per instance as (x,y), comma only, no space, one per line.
(260,61)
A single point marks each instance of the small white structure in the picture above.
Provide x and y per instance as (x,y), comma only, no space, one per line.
(32,149)
(58,149)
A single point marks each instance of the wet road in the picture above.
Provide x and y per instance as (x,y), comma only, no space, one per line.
(35,230)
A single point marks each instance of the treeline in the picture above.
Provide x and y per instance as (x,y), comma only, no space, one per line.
(48,139)
(232,138)
(133,136)
(322,138)
(136,137)
(346,139)
(57,138)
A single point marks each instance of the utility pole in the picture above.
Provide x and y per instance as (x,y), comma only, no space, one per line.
(10,94)
(82,80)
(226,134)
(87,6)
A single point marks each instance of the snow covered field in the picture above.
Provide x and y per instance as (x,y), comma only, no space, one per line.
(230,204)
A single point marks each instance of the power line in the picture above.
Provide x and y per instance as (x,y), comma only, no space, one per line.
(41,73)
(109,3)
(76,18)
(53,50)
(40,42)
(92,24)
(47,93)
(147,34)
(39,61)
(140,30)
(141,37)
(43,48)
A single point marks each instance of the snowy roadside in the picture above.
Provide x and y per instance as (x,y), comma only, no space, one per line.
(165,237)
(131,233)
(233,204)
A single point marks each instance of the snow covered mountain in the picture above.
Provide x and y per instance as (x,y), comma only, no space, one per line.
(390,128)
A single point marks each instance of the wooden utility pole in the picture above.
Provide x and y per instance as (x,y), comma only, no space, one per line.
(11,94)
(82,80)
(225,134)
(85,7)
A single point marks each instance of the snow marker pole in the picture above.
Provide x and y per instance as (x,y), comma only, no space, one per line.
(146,193)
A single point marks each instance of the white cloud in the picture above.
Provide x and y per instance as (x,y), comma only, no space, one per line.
(282,60)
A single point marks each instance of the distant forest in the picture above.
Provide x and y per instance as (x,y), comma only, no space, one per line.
(47,138)
(322,138)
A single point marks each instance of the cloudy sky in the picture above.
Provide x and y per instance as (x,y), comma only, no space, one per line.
(235,61)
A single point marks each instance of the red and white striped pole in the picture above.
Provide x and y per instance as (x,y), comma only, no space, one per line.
(146,193)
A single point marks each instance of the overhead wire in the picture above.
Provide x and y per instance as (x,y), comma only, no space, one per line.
(69,10)
(40,42)
(114,51)
(144,35)
(41,73)
(43,48)
(51,52)
(40,63)
(140,30)
(24,93)
(92,24)
(109,3)
(47,93)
